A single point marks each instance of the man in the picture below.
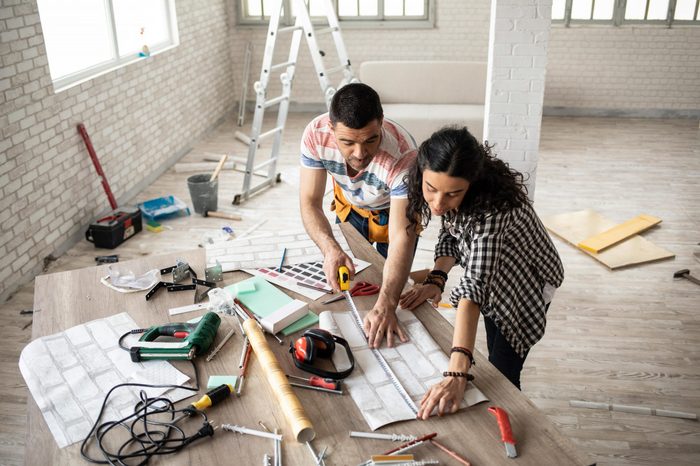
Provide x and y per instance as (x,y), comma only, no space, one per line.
(367,157)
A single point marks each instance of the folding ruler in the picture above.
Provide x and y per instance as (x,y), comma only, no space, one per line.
(343,281)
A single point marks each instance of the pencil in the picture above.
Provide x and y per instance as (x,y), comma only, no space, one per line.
(450,452)
(284,254)
(314,287)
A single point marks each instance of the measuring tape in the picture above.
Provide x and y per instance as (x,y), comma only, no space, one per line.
(344,282)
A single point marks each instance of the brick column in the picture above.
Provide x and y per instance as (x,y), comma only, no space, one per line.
(515,81)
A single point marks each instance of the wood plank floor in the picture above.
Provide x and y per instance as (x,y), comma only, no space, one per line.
(628,337)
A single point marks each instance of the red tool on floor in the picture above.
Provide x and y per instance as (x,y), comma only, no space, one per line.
(506,432)
(96,162)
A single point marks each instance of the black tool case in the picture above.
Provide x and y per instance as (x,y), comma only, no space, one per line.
(112,230)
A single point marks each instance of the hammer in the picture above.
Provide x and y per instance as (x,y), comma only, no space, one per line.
(214,213)
(685,273)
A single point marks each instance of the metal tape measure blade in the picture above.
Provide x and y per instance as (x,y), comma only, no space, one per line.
(380,359)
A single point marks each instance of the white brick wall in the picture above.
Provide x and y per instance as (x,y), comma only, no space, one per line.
(629,67)
(592,66)
(515,84)
(138,117)
(461,34)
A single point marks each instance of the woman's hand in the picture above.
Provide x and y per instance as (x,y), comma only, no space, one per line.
(418,294)
(380,322)
(446,395)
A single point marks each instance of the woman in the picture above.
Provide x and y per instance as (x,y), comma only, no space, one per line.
(511,267)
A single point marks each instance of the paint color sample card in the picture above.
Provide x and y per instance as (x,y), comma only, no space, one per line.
(266,250)
(310,273)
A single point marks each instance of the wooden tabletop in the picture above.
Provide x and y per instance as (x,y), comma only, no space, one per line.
(63,300)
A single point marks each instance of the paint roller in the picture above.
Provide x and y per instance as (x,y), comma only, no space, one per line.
(291,407)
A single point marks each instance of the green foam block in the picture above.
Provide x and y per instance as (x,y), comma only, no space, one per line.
(245,287)
(218,380)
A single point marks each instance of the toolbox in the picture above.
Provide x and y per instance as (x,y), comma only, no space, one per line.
(112,230)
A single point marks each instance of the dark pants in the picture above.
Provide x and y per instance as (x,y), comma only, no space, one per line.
(502,355)
(361,224)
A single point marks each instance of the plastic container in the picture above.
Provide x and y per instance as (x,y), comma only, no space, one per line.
(204,193)
(164,207)
(112,230)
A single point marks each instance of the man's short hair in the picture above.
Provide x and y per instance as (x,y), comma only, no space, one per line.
(355,105)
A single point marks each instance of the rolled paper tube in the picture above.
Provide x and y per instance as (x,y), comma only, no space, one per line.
(291,407)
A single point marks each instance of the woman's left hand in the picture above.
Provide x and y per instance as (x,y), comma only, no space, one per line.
(446,395)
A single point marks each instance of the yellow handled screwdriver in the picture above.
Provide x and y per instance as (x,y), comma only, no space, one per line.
(212,397)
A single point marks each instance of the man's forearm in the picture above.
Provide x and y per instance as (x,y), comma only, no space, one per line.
(395,273)
(318,228)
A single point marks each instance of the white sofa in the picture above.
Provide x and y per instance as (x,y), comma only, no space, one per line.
(424,96)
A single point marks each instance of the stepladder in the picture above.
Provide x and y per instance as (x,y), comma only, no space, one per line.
(259,175)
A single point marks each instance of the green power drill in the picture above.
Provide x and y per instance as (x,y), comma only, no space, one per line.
(192,340)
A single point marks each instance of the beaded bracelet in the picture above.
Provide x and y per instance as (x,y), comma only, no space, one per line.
(438,273)
(464,351)
(458,374)
(432,281)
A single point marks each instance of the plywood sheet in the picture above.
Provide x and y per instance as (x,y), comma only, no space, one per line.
(575,227)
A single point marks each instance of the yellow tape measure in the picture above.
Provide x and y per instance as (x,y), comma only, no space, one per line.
(343,278)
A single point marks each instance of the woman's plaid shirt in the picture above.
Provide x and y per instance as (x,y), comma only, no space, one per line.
(507,257)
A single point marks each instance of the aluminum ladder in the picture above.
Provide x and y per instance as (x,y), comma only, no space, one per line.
(303,26)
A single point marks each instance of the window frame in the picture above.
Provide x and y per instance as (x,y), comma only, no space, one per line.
(73,79)
(351,22)
(618,18)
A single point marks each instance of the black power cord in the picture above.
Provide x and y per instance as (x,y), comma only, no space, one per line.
(149,434)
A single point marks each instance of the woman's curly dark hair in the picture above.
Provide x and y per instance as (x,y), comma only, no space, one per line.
(493,185)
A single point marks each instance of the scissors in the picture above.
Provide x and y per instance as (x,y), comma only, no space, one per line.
(359,289)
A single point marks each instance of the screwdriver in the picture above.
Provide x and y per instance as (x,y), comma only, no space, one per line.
(316,381)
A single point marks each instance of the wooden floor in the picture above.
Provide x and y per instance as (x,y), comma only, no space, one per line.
(629,337)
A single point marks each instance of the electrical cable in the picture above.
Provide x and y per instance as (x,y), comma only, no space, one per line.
(154,436)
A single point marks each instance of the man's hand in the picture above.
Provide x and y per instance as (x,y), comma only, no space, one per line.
(446,395)
(332,262)
(378,323)
(418,294)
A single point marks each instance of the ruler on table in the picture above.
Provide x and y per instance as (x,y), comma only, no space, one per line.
(380,359)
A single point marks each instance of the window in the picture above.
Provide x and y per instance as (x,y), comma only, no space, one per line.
(627,11)
(387,12)
(87,38)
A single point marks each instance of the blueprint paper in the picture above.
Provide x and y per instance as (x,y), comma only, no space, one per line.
(69,374)
(265,250)
(418,364)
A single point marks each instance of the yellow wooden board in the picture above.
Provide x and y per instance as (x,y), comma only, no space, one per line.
(575,227)
(618,233)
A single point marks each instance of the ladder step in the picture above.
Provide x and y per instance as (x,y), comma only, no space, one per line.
(335,68)
(282,65)
(265,163)
(288,29)
(327,30)
(267,134)
(276,100)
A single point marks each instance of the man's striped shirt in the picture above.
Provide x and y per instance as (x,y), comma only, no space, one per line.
(373,187)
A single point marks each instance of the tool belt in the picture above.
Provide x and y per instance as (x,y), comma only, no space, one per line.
(378,220)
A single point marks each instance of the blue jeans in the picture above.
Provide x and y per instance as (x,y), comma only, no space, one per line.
(361,224)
